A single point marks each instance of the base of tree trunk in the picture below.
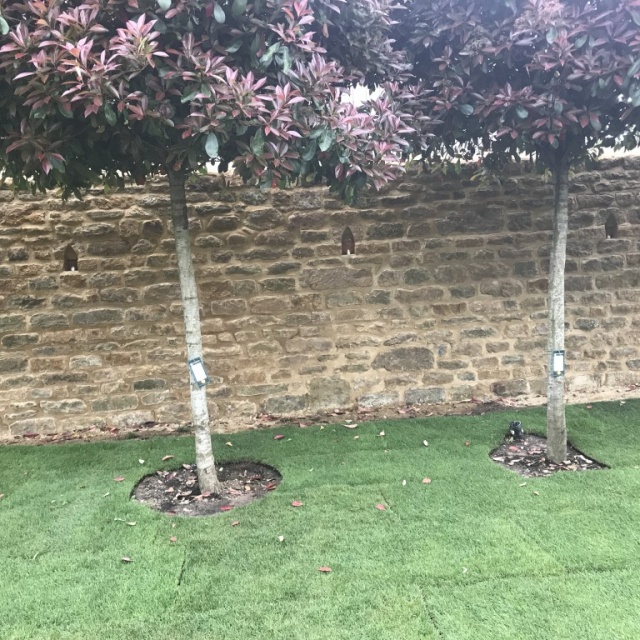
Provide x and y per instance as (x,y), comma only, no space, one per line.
(176,491)
(528,457)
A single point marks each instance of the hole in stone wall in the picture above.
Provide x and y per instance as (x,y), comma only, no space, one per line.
(348,242)
(70,259)
(611,226)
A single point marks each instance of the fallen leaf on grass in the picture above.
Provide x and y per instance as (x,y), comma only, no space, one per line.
(1,496)
(381,434)
(126,559)
(356,437)
(536,493)
(324,569)
(173,539)
(226,507)
(381,507)
(140,460)
(303,425)
(426,480)
(404,483)
(271,486)
(118,479)
(467,443)
(522,484)
(425,443)
(278,437)
(349,426)
(464,569)
(166,458)
(104,495)
(588,406)
(280,538)
(297,503)
(229,444)
(235,523)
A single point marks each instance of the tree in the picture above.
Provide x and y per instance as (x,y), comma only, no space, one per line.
(553,79)
(99,91)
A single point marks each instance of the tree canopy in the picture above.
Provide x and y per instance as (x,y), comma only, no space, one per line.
(550,78)
(100,90)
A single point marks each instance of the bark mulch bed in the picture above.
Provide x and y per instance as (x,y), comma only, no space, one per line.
(528,458)
(176,492)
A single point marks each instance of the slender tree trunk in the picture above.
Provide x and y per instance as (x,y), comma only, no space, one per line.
(207,477)
(556,422)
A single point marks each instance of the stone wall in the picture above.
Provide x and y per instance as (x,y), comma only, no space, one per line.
(444,299)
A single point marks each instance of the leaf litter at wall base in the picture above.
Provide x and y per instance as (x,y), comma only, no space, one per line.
(528,457)
(176,491)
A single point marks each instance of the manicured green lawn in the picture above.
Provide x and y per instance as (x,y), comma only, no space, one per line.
(473,555)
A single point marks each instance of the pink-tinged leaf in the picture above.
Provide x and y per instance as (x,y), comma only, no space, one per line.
(324,569)
(381,507)
(235,523)
(118,479)
(589,406)
(173,539)
(166,458)
(467,443)
(278,437)
(297,503)
(584,120)
(226,507)
(426,480)
(271,486)
(126,559)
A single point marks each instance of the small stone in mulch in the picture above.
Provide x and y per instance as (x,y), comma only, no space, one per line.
(176,492)
(528,458)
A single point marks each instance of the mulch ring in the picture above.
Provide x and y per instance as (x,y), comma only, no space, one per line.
(528,458)
(176,491)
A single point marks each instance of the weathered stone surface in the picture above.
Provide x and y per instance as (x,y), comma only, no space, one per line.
(115,403)
(73,405)
(33,425)
(424,395)
(379,400)
(13,364)
(404,359)
(335,278)
(284,405)
(12,341)
(329,393)
(98,316)
(12,323)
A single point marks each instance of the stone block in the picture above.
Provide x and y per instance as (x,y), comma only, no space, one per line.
(13,364)
(404,359)
(33,425)
(336,278)
(98,316)
(261,389)
(12,341)
(284,405)
(72,405)
(379,400)
(510,388)
(424,395)
(85,362)
(329,393)
(115,403)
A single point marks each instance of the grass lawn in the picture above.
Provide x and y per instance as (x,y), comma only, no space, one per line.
(473,555)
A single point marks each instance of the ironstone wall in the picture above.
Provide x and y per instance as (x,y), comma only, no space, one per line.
(444,299)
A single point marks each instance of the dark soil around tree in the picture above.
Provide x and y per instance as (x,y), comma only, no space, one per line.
(176,491)
(528,458)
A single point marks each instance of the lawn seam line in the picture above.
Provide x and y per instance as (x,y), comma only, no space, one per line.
(430,614)
(182,568)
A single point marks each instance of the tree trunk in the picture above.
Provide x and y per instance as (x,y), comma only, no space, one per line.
(556,422)
(207,477)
